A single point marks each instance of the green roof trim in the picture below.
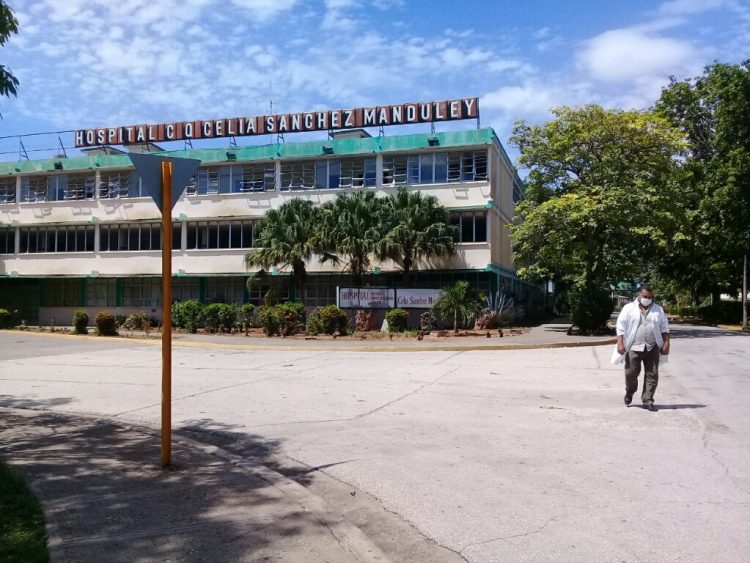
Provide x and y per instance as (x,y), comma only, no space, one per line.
(276,151)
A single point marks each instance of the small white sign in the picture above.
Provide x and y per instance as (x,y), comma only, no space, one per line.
(366,298)
(416,298)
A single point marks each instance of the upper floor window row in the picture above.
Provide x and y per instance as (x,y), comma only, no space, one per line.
(329,173)
(70,238)
(434,168)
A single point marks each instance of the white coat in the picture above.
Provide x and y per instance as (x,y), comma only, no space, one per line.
(627,325)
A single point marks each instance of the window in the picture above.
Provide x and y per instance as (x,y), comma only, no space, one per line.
(101,292)
(219,234)
(298,175)
(319,293)
(427,168)
(257,177)
(259,293)
(71,238)
(7,190)
(471,226)
(79,186)
(120,184)
(517,193)
(63,292)
(225,290)
(141,292)
(394,170)
(34,189)
(467,166)
(130,236)
(7,240)
(186,288)
(327,174)
(357,173)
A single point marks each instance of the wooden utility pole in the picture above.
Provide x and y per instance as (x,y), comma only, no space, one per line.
(744,294)
(166,315)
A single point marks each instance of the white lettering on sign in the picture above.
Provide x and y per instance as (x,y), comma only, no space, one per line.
(399,114)
(416,298)
(366,298)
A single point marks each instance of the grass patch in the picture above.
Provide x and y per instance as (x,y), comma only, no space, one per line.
(22,534)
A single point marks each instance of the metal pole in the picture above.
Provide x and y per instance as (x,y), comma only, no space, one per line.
(166,314)
(744,294)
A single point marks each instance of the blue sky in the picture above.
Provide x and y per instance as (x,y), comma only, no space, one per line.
(98,63)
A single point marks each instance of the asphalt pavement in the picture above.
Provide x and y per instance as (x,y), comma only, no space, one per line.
(486,455)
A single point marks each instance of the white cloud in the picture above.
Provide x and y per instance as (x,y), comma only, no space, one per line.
(626,55)
(264,10)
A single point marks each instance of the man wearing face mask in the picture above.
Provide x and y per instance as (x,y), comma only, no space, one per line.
(642,337)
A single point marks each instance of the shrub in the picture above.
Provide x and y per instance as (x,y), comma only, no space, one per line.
(268,318)
(120,320)
(137,321)
(246,316)
(314,325)
(80,322)
(291,317)
(397,319)
(726,312)
(329,320)
(285,318)
(105,324)
(219,316)
(7,319)
(187,314)
(590,308)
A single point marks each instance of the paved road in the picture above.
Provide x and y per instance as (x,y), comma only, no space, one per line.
(498,455)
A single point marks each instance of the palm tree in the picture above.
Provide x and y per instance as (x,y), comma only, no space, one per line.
(458,301)
(417,227)
(350,229)
(287,237)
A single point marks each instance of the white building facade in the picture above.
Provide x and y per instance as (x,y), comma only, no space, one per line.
(77,233)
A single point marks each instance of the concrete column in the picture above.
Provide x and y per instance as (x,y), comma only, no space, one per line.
(97,183)
(379,170)
(97,238)
(183,235)
(277,186)
(18,189)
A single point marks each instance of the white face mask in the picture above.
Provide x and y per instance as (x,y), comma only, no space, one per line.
(645,302)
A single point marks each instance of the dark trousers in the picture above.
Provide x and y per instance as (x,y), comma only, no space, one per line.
(650,362)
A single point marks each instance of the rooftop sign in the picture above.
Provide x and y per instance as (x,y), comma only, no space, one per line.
(421,112)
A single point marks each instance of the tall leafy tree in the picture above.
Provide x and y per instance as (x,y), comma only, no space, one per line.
(351,227)
(713,111)
(599,193)
(416,227)
(287,238)
(8,26)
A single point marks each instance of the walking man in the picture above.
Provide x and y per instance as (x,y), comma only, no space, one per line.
(642,336)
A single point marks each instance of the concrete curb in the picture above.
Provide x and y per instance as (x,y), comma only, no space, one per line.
(348,535)
(312,348)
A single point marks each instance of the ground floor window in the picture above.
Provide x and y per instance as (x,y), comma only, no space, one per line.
(225,290)
(471,226)
(184,289)
(101,292)
(63,292)
(141,292)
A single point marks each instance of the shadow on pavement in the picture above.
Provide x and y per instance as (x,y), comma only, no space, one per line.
(677,331)
(678,407)
(106,499)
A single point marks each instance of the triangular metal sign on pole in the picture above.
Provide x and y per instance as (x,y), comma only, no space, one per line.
(148,167)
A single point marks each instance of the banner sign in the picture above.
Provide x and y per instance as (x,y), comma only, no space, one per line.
(416,298)
(366,298)
(401,114)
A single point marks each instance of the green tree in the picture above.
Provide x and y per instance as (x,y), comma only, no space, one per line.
(287,237)
(351,227)
(8,27)
(460,302)
(600,190)
(416,227)
(713,112)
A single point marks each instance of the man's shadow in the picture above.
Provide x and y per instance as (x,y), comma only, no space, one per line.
(674,407)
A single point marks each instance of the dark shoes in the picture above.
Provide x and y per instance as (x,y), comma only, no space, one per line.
(628,399)
(650,406)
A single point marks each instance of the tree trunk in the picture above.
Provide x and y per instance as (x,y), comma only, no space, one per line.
(455,322)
